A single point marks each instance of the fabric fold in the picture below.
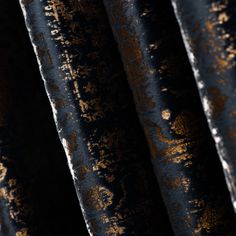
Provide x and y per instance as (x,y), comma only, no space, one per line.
(95,117)
(209,35)
(183,153)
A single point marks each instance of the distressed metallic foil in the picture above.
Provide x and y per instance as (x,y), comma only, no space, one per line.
(95,117)
(209,35)
(129,116)
(183,154)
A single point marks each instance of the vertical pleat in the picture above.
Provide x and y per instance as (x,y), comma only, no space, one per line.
(95,117)
(208,29)
(183,153)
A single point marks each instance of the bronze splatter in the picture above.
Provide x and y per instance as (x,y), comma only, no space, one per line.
(99,198)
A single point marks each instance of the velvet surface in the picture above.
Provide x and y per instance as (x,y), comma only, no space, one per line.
(119,83)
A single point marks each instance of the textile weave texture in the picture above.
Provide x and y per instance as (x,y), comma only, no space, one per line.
(137,96)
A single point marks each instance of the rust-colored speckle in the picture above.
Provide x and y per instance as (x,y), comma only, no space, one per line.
(115,230)
(209,219)
(185,124)
(179,182)
(72,142)
(218,101)
(99,197)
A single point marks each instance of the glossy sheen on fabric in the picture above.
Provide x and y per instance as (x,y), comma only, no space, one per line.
(183,153)
(208,29)
(95,117)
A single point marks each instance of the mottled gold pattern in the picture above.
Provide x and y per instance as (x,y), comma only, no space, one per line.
(95,117)
(211,48)
(165,96)
(105,119)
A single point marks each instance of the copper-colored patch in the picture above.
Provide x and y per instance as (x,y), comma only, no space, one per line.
(232,133)
(72,142)
(222,82)
(89,88)
(22,232)
(217,6)
(209,219)
(210,26)
(3,172)
(59,103)
(151,144)
(221,63)
(176,150)
(154,46)
(176,154)
(218,37)
(178,182)
(185,124)
(99,197)
(197,203)
(101,164)
(12,182)
(134,62)
(176,206)
(218,101)
(223,17)
(52,86)
(43,53)
(181,125)
(12,195)
(166,114)
(110,178)
(114,229)
(2,193)
(104,218)
(83,170)
(164,139)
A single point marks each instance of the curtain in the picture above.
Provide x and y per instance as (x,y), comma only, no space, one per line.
(138,97)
